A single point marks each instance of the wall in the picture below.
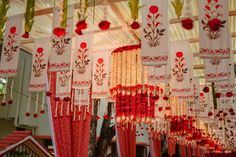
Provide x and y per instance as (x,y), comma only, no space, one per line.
(7,127)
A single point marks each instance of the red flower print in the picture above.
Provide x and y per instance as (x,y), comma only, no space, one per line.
(152,31)
(39,50)
(83,45)
(100,74)
(13,30)
(82,60)
(104,25)
(153,9)
(39,65)
(59,32)
(180,67)
(179,54)
(10,49)
(100,60)
(135,25)
(187,23)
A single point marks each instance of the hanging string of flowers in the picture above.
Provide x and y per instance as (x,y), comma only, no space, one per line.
(82,16)
(134,9)
(4,6)
(61,31)
(29,17)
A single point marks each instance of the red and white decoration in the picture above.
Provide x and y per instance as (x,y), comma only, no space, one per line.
(101,71)
(159,74)
(82,60)
(60,57)
(155,33)
(39,64)
(214,29)
(63,83)
(82,97)
(180,64)
(11,46)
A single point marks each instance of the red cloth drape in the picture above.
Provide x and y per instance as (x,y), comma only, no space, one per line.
(189,151)
(155,147)
(71,137)
(127,140)
(182,150)
(171,147)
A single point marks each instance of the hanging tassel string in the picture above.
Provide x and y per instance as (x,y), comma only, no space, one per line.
(28,105)
(37,103)
(42,103)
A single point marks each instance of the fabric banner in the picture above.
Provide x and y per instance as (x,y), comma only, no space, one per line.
(63,83)
(214,29)
(159,74)
(39,65)
(60,57)
(82,97)
(82,60)
(217,69)
(11,46)
(101,71)
(180,63)
(155,33)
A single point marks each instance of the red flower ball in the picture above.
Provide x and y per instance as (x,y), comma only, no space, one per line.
(81,25)
(35,115)
(156,97)
(153,9)
(218,95)
(48,94)
(105,116)
(201,94)
(100,60)
(27,114)
(104,25)
(179,54)
(233,113)
(79,32)
(231,110)
(59,32)
(206,89)
(135,25)
(160,109)
(214,24)
(42,111)
(210,114)
(10,101)
(165,98)
(229,94)
(187,23)
(25,35)
(40,50)
(13,30)
(83,45)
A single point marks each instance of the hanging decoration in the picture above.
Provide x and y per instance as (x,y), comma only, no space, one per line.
(104,24)
(134,9)
(187,22)
(155,40)
(38,74)
(60,57)
(214,29)
(10,53)
(135,98)
(180,63)
(101,64)
(159,74)
(29,17)
(4,6)
(82,16)
(82,60)
(178,6)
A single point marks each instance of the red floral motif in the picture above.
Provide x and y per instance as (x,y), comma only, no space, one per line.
(10,47)
(104,25)
(211,22)
(81,25)
(82,60)
(60,42)
(38,65)
(64,76)
(180,67)
(152,32)
(100,74)
(187,23)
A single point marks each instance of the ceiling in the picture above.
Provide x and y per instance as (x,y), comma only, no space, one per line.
(119,34)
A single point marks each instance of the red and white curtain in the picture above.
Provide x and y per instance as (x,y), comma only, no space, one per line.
(181,68)
(82,60)
(101,71)
(11,46)
(155,33)
(214,29)
(60,57)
